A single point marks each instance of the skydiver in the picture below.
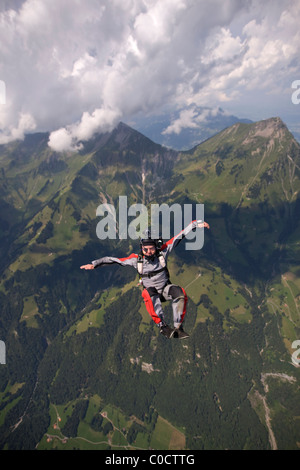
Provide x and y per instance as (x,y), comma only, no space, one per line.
(151,265)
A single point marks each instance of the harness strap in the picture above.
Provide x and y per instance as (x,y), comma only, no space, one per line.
(153,273)
(140,265)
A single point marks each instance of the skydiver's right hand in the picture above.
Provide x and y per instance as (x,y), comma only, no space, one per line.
(87,266)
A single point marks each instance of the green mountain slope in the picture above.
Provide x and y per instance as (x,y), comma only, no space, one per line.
(86,367)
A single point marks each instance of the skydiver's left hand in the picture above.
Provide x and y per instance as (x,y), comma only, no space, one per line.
(203,224)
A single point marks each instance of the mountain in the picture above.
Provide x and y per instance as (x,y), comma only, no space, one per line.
(187,127)
(85,365)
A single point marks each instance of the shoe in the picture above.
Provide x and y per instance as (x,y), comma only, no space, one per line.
(180,333)
(166,331)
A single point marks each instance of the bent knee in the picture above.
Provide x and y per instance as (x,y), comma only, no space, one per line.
(176,292)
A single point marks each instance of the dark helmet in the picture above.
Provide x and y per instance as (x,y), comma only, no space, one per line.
(148,241)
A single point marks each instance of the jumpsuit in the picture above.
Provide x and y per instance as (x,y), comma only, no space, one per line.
(155,280)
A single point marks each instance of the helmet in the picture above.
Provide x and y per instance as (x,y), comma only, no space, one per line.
(148,241)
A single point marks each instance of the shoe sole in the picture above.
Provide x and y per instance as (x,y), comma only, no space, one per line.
(169,335)
(177,335)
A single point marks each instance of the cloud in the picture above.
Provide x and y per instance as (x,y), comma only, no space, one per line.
(76,68)
(192,118)
(70,137)
(186,120)
(25,123)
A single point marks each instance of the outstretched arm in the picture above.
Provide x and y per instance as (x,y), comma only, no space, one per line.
(173,242)
(129,261)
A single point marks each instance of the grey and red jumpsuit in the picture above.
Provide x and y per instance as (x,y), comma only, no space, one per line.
(156,281)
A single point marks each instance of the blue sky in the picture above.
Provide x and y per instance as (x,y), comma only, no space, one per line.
(77,67)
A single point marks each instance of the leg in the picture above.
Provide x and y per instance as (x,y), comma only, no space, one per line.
(179,300)
(154,308)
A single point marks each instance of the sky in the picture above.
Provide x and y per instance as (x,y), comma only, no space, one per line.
(78,67)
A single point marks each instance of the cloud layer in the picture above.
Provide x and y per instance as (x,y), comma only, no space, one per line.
(78,67)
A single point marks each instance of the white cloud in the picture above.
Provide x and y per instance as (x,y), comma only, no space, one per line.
(192,118)
(70,137)
(77,67)
(26,123)
(61,140)
(222,46)
(186,120)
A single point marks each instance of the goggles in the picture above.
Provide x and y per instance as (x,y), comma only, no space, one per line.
(150,248)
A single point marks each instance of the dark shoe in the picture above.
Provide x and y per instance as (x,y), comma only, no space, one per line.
(166,331)
(180,333)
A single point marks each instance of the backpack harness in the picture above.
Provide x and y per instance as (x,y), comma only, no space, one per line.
(140,264)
